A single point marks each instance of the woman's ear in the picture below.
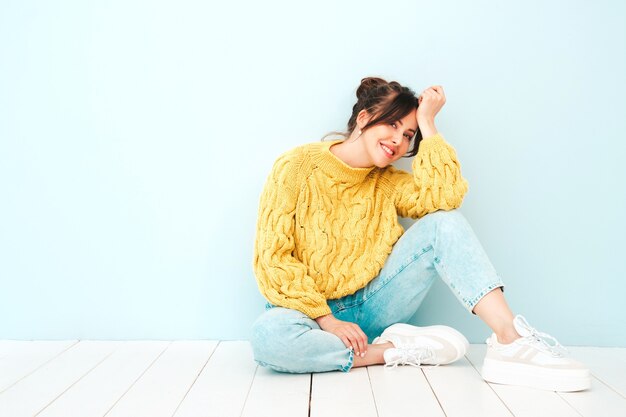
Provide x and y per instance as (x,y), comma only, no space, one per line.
(362,118)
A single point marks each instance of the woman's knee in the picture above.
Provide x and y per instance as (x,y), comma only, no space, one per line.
(273,334)
(445,218)
(443,215)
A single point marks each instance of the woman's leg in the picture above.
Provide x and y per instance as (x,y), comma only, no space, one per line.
(493,310)
(287,340)
(373,355)
(441,244)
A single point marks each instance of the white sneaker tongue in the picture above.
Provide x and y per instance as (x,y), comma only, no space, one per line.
(521,326)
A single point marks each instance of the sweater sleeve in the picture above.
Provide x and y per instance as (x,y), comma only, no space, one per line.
(435,184)
(281,277)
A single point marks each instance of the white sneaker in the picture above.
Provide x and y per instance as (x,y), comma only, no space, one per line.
(409,356)
(535,360)
(431,345)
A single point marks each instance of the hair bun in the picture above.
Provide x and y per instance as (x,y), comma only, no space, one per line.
(368,84)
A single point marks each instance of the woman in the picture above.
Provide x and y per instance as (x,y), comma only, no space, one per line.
(341,275)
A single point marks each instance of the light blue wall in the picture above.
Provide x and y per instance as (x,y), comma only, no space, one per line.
(136,136)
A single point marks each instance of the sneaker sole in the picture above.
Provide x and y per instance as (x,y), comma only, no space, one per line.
(455,337)
(563,380)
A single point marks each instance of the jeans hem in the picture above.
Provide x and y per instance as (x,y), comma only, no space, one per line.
(348,366)
(275,368)
(472,303)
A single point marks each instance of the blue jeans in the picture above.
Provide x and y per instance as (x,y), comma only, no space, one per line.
(441,244)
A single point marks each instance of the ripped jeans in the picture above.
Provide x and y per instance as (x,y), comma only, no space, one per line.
(440,244)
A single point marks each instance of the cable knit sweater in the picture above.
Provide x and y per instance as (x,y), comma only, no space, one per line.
(325,229)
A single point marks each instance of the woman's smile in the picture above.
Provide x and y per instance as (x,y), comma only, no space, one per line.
(388,152)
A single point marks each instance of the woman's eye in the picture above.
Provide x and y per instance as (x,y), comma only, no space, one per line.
(394,125)
(408,136)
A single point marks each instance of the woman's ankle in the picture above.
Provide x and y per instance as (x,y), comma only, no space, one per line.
(508,337)
(373,356)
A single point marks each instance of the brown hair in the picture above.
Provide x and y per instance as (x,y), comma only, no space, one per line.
(387,102)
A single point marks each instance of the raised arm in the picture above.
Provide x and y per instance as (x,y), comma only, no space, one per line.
(435,184)
(282,278)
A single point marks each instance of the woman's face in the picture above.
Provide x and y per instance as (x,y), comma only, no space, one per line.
(386,143)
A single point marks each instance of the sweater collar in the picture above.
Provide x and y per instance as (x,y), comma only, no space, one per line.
(336,168)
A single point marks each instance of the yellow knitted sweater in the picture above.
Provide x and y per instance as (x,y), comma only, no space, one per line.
(325,229)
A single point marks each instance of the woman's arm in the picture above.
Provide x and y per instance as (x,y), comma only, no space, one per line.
(281,277)
(435,184)
(427,127)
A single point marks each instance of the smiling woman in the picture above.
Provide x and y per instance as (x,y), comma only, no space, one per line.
(380,145)
(385,118)
(342,277)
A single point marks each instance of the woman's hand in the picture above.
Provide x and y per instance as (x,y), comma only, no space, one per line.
(350,333)
(430,102)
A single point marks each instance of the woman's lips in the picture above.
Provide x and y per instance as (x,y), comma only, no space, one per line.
(385,152)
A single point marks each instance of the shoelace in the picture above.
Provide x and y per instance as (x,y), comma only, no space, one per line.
(543,341)
(412,356)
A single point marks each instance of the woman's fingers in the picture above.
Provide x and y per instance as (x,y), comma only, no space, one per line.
(438,89)
(439,92)
(363,340)
(352,336)
(434,91)
(346,341)
(358,344)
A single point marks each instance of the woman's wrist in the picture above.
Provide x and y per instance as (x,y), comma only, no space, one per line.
(427,127)
(323,320)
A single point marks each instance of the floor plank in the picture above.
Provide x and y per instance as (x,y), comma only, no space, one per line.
(403,391)
(524,401)
(462,392)
(95,394)
(345,394)
(222,387)
(22,357)
(34,392)
(164,385)
(598,401)
(607,365)
(278,394)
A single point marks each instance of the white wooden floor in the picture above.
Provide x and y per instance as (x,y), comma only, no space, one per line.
(210,378)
